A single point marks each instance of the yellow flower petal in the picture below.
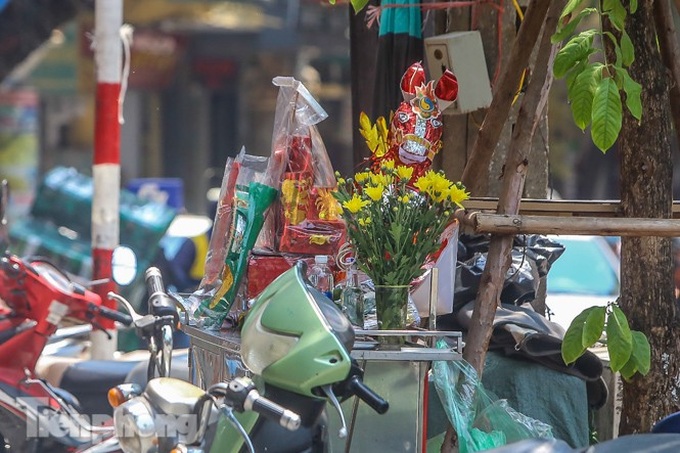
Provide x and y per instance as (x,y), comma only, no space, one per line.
(375,193)
(355,204)
(361,177)
(388,164)
(404,173)
(457,194)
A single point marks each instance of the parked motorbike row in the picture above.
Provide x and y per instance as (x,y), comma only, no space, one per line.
(300,361)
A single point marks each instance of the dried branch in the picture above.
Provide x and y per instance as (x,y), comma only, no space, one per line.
(477,167)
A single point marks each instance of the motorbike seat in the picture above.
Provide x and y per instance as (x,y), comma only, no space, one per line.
(90,381)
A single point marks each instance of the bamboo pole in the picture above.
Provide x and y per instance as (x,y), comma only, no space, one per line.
(598,226)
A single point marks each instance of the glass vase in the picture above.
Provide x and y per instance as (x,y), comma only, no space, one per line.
(390,306)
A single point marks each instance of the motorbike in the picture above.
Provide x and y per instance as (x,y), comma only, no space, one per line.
(295,342)
(36,297)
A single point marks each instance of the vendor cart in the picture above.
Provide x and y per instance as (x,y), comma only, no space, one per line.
(399,375)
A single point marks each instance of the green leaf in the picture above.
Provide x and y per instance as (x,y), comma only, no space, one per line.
(357,5)
(619,339)
(641,355)
(594,326)
(628,370)
(633,6)
(575,71)
(633,91)
(607,114)
(569,8)
(616,12)
(582,92)
(396,231)
(617,49)
(578,48)
(572,343)
(563,32)
(627,49)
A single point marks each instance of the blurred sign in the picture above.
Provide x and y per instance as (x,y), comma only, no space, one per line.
(215,73)
(154,59)
(19,147)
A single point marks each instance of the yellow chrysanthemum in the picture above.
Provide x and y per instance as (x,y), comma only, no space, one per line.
(435,185)
(355,204)
(404,173)
(341,181)
(375,193)
(365,221)
(388,164)
(377,179)
(457,194)
(361,177)
(405,198)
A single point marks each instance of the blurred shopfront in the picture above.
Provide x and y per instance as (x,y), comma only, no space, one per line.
(199,86)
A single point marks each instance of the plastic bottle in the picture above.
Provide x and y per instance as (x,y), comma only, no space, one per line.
(352,297)
(321,277)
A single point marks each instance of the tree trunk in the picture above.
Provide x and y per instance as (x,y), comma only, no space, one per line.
(647,295)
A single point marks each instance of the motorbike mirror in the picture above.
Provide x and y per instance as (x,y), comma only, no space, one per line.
(123,265)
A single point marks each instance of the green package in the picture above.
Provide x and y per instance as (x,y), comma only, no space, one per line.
(250,202)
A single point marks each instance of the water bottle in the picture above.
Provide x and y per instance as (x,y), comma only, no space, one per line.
(352,297)
(321,277)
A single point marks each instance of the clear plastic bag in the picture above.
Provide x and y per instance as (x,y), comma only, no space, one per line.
(480,420)
(306,218)
(238,220)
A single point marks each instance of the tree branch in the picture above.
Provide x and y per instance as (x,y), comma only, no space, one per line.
(516,167)
(670,53)
(477,167)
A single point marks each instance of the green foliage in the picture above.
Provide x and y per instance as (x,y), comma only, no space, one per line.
(595,87)
(629,350)
(357,5)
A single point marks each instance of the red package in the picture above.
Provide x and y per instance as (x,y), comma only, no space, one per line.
(306,219)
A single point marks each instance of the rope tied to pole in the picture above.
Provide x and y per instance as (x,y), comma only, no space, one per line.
(126,33)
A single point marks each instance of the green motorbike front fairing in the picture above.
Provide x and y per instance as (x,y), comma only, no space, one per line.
(294,337)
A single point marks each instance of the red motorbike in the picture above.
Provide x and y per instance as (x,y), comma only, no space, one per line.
(35,298)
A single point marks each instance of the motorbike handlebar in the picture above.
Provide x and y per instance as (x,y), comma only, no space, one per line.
(114,315)
(357,387)
(160,304)
(267,408)
(241,394)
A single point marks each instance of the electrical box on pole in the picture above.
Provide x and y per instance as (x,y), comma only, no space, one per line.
(463,54)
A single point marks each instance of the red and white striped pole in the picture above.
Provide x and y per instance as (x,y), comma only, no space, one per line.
(108,54)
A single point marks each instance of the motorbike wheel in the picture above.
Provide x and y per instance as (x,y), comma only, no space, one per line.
(13,433)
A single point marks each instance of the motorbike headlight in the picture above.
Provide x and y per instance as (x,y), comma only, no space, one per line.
(135,427)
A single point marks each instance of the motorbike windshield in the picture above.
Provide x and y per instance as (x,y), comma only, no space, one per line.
(339,323)
(54,276)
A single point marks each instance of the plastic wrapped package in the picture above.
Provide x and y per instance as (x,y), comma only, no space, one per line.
(306,218)
(250,198)
(480,420)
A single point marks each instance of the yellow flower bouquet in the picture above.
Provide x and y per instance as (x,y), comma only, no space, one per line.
(394,227)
